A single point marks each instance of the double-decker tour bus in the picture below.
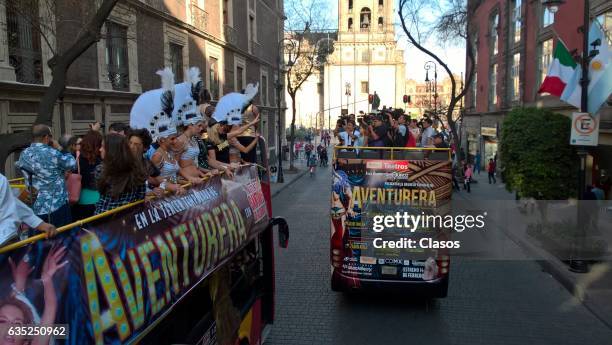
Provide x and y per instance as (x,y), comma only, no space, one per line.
(191,269)
(381,197)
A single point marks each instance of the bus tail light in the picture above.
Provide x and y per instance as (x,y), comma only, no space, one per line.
(337,252)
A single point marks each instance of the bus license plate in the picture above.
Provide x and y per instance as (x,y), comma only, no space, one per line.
(388,270)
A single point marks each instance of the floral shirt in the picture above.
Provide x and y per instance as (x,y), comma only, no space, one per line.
(48,166)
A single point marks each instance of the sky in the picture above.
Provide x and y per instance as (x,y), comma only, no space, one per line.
(414,58)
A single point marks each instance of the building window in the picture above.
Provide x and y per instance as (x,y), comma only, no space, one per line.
(548,17)
(605,20)
(515,82)
(365,56)
(380,22)
(213,78)
(350,4)
(493,85)
(546,51)
(350,24)
(493,33)
(252,28)
(264,90)
(239,78)
(516,21)
(474,89)
(227,12)
(381,2)
(365,87)
(25,54)
(176,60)
(117,56)
(365,18)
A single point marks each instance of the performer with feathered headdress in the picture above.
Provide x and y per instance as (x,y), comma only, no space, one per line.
(228,113)
(191,127)
(163,130)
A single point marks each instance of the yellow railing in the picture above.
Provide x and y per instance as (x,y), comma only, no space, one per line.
(16,180)
(81,222)
(391,149)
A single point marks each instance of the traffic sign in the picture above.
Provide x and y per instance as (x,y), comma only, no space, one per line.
(585,129)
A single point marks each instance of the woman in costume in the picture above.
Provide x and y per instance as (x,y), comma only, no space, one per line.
(191,127)
(341,205)
(163,130)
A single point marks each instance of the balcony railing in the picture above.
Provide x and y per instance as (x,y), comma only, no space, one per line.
(231,36)
(199,17)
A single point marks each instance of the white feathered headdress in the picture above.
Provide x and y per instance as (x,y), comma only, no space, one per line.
(231,106)
(162,124)
(189,109)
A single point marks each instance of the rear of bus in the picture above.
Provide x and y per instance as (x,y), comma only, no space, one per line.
(375,191)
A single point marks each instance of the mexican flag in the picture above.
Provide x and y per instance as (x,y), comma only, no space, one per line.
(560,72)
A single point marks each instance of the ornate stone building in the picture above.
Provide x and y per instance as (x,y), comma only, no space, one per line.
(365,59)
(233,42)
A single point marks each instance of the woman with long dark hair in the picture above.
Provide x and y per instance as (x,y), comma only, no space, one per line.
(122,177)
(88,160)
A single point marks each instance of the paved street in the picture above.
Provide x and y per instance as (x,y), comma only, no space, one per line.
(488,302)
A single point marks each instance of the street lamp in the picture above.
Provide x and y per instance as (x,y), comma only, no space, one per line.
(347,93)
(429,65)
(580,265)
(287,45)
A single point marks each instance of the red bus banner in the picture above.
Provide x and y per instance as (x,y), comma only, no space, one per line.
(110,280)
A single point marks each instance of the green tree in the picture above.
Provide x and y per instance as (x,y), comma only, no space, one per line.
(538,160)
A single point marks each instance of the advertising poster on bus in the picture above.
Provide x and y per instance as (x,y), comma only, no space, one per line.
(108,281)
(364,192)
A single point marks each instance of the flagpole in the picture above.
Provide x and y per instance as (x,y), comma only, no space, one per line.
(577,262)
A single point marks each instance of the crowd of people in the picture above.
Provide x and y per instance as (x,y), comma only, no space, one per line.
(389,128)
(123,165)
(393,128)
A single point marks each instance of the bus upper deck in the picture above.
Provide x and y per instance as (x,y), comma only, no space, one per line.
(134,274)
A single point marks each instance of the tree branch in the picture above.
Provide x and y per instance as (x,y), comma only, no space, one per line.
(59,64)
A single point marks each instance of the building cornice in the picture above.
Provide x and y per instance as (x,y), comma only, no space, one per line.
(35,89)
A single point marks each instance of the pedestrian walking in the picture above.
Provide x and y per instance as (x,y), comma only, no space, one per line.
(454,174)
(308,151)
(467,174)
(312,164)
(491,170)
(477,161)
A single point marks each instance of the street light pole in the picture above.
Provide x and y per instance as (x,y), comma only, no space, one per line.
(347,92)
(283,44)
(279,151)
(428,65)
(579,265)
(577,262)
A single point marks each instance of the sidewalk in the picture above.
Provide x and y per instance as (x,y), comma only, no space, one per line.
(289,177)
(593,289)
